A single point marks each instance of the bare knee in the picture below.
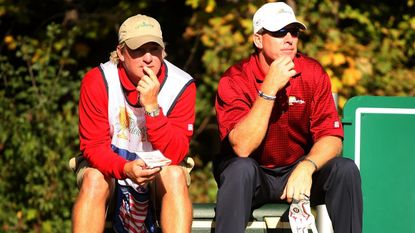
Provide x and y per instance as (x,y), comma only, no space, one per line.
(173,178)
(173,174)
(95,185)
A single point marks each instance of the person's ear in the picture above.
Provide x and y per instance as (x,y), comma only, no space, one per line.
(258,40)
(120,52)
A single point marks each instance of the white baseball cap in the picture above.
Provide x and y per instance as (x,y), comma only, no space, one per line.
(138,30)
(274,16)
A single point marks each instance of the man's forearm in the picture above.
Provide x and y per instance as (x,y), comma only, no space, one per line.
(324,150)
(248,134)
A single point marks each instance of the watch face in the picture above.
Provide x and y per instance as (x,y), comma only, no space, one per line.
(153,113)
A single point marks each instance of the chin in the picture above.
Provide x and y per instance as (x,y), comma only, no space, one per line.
(291,55)
(288,53)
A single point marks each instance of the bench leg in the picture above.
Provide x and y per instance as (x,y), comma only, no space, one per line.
(323,222)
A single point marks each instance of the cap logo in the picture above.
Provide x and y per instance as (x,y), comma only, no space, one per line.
(282,11)
(257,23)
(144,24)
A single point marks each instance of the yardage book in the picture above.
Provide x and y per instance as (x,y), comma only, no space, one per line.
(154,159)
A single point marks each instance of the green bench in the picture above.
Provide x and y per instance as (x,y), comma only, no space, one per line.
(270,218)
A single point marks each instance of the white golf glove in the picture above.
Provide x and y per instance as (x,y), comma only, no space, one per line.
(300,216)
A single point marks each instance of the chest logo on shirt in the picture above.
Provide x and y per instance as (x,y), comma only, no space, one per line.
(127,126)
(293,100)
(123,124)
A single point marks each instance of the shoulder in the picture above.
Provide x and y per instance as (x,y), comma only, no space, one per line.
(176,71)
(178,79)
(93,76)
(308,64)
(311,73)
(93,82)
(237,74)
(237,81)
(240,69)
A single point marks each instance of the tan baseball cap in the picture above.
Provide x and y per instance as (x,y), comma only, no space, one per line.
(138,30)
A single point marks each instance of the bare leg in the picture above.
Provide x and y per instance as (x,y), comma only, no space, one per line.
(176,206)
(89,209)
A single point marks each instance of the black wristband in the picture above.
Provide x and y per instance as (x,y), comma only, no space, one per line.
(312,162)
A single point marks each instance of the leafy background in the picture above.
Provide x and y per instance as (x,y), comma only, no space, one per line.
(367,47)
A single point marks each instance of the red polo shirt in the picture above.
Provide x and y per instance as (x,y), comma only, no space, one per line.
(304,110)
(170,134)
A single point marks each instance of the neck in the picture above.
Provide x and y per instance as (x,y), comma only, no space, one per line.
(264,62)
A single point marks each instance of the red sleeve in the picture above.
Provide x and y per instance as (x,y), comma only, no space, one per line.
(324,119)
(171,135)
(94,130)
(232,104)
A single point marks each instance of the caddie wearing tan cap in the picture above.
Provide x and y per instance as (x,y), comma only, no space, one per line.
(280,134)
(136,115)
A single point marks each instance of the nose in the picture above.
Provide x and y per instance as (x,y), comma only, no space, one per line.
(147,57)
(289,35)
(288,38)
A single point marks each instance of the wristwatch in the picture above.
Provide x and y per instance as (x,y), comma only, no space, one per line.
(153,113)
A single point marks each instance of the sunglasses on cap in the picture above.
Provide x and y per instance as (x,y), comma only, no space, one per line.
(294,32)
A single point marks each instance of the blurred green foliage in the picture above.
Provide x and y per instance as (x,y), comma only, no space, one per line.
(37,132)
(46,46)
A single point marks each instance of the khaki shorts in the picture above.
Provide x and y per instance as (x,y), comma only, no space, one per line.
(79,164)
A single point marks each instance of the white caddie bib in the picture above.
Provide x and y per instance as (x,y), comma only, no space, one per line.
(129,137)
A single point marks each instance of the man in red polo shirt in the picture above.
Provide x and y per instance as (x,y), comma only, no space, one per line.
(280,132)
(131,108)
